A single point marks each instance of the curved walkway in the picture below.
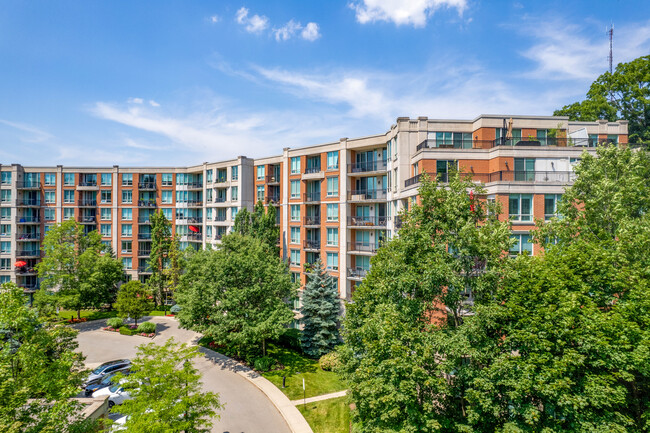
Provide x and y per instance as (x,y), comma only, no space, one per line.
(247,408)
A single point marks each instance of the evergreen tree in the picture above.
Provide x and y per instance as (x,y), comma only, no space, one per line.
(320,311)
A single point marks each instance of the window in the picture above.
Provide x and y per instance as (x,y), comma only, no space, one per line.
(333,237)
(5,195)
(443,167)
(208,195)
(612,139)
(127,214)
(167,179)
(260,193)
(523,243)
(233,213)
(127,263)
(234,173)
(295,235)
(6,178)
(525,169)
(332,160)
(521,207)
(106,195)
(50,179)
(48,214)
(167,213)
(295,189)
(127,179)
(50,197)
(295,165)
(234,193)
(295,212)
(332,212)
(107,179)
(542,134)
(68,213)
(127,230)
(333,261)
(106,214)
(5,247)
(551,202)
(106,230)
(107,245)
(47,228)
(208,176)
(68,179)
(127,196)
(68,196)
(5,213)
(5,230)
(295,258)
(5,264)
(332,186)
(260,172)
(167,196)
(127,246)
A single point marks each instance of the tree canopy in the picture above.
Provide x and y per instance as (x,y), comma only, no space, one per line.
(133,300)
(165,259)
(260,224)
(624,94)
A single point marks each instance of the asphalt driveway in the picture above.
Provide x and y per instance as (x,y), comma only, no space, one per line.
(247,409)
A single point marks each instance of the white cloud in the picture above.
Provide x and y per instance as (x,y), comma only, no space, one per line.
(310,32)
(287,31)
(153,103)
(215,19)
(31,134)
(402,12)
(135,100)
(253,24)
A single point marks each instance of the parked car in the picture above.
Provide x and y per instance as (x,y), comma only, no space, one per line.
(106,381)
(116,394)
(98,374)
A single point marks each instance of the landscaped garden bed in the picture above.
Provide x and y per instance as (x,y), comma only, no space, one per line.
(144,329)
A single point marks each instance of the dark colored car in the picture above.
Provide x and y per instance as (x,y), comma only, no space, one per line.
(106,381)
(106,368)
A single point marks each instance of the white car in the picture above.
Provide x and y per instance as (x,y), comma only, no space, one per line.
(115,393)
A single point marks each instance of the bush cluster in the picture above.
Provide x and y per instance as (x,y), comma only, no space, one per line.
(115,322)
(147,328)
(126,330)
(330,361)
(264,363)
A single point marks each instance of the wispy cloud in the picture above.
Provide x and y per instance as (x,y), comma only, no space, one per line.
(287,31)
(259,23)
(402,12)
(28,133)
(252,24)
(214,19)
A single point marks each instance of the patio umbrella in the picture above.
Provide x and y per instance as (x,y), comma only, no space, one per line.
(20,264)
(195,229)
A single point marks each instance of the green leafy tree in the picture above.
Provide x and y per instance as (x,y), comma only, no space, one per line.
(628,87)
(320,313)
(447,258)
(165,259)
(133,300)
(260,224)
(72,269)
(236,294)
(39,371)
(166,391)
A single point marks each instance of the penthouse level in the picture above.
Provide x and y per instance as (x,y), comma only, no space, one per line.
(337,201)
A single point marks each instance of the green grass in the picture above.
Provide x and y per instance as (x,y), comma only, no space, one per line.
(327,416)
(99,314)
(297,367)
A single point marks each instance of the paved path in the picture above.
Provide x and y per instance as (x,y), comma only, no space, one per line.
(247,408)
(320,397)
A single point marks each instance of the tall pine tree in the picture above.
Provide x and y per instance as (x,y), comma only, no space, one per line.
(320,310)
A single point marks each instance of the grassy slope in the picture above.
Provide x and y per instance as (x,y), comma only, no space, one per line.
(327,416)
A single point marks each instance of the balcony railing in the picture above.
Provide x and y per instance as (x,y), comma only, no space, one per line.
(28,253)
(310,244)
(144,219)
(364,247)
(28,219)
(220,218)
(311,220)
(366,166)
(88,183)
(312,170)
(194,236)
(520,141)
(146,203)
(367,194)
(144,253)
(272,179)
(312,197)
(357,273)
(504,176)
(29,236)
(367,221)
(88,219)
(144,236)
(29,202)
(28,287)
(87,202)
(272,199)
(194,203)
(26,270)
(194,185)
(144,269)
(189,219)
(28,185)
(147,185)
(222,179)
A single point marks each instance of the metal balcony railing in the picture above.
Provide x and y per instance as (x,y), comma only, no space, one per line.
(87,219)
(505,176)
(87,203)
(312,197)
(272,179)
(147,185)
(519,141)
(312,170)
(194,203)
(88,183)
(367,166)
(147,203)
(28,185)
(189,219)
(29,202)
(144,269)
(144,236)
(310,244)
(220,218)
(272,199)
(28,219)
(221,179)
(311,220)
(357,272)
(367,194)
(28,236)
(28,253)
(365,247)
(367,221)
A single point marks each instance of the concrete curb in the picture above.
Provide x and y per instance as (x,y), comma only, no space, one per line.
(292,416)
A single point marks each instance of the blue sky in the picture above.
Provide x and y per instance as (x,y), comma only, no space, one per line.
(182,82)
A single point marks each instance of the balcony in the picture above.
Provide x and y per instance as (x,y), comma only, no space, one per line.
(27,219)
(144,269)
(28,185)
(272,199)
(520,141)
(311,245)
(87,185)
(144,253)
(28,288)
(88,220)
(273,179)
(220,218)
(357,273)
(29,202)
(29,237)
(222,179)
(362,247)
(144,236)
(188,219)
(311,221)
(398,222)
(26,270)
(194,203)
(147,186)
(312,197)
(218,236)
(144,219)
(562,177)
(367,221)
(193,236)
(194,185)
(367,166)
(367,195)
(28,253)
(147,203)
(87,202)
(220,199)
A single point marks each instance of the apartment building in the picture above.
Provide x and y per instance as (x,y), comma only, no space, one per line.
(336,201)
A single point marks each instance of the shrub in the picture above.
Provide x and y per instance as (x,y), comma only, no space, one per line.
(147,327)
(124,330)
(175,309)
(115,322)
(290,339)
(264,363)
(330,361)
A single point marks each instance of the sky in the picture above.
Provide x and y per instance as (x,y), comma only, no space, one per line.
(175,83)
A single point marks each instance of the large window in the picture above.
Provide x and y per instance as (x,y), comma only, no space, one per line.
(6,178)
(208,176)
(68,196)
(332,212)
(333,237)
(5,247)
(127,263)
(5,229)
(167,196)
(551,202)
(523,243)
(525,169)
(5,213)
(106,214)
(127,179)
(107,179)
(521,207)
(332,186)
(127,230)
(333,261)
(295,258)
(295,189)
(260,172)
(50,179)
(50,197)
(458,140)
(106,230)
(233,213)
(106,196)
(234,193)
(127,214)
(260,193)
(295,235)
(68,179)
(48,214)
(234,173)
(443,167)
(295,212)
(332,160)
(68,213)
(295,165)
(5,195)
(127,196)
(167,179)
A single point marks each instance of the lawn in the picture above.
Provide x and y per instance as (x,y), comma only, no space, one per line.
(297,367)
(100,314)
(327,416)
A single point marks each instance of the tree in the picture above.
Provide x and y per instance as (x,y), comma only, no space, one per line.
(320,313)
(260,224)
(447,259)
(166,391)
(39,370)
(72,269)
(133,300)
(236,294)
(629,90)
(164,260)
